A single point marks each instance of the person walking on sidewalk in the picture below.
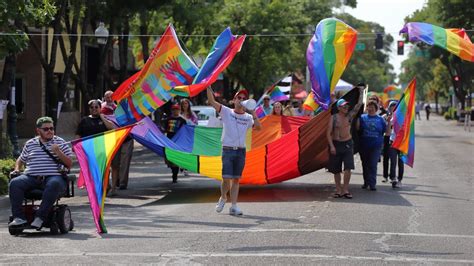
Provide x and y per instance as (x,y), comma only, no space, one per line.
(236,122)
(41,172)
(427,110)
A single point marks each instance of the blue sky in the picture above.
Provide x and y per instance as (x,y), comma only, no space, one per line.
(390,14)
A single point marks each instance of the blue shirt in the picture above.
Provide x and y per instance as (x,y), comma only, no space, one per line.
(372,131)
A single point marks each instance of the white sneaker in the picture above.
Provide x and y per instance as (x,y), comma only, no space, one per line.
(37,223)
(235,211)
(385,180)
(17,221)
(220,205)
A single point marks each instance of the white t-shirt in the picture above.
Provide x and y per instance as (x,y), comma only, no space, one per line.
(234,127)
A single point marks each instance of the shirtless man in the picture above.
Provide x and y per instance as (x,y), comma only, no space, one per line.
(341,146)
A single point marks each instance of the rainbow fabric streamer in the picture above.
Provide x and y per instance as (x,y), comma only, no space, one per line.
(167,67)
(328,53)
(287,147)
(404,125)
(222,52)
(94,154)
(455,41)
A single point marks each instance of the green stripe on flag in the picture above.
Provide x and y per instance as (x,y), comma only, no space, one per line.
(207,141)
(439,36)
(329,34)
(183,159)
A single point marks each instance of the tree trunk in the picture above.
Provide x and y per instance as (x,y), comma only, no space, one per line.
(123,50)
(436,96)
(144,31)
(72,53)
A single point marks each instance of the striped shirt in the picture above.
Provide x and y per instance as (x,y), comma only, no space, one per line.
(37,161)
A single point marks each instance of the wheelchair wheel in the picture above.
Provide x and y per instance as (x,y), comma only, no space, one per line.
(53,228)
(63,219)
(71,227)
(15,231)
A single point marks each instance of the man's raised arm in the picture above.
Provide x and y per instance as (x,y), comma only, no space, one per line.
(212,101)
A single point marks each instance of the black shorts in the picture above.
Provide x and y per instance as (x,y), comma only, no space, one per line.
(344,154)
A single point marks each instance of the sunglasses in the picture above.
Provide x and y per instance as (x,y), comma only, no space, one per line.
(266,99)
(94,107)
(241,98)
(46,129)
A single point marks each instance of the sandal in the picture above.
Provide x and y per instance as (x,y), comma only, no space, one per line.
(337,195)
(347,195)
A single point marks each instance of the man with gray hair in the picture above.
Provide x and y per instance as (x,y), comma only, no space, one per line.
(42,171)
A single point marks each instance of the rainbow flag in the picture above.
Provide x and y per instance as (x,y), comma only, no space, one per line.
(168,66)
(456,41)
(279,91)
(222,52)
(328,54)
(94,154)
(404,124)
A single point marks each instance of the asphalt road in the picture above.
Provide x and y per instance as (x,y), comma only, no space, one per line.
(429,221)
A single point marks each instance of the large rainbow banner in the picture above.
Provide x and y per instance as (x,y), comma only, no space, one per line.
(94,154)
(328,54)
(404,124)
(455,41)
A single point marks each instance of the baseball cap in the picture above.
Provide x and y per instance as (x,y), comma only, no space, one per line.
(341,102)
(242,91)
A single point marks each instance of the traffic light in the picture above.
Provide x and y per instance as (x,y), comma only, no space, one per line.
(379,41)
(400,46)
(457,81)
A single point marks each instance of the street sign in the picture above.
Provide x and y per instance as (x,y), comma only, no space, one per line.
(360,46)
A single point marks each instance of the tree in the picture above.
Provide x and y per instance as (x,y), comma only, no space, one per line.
(438,86)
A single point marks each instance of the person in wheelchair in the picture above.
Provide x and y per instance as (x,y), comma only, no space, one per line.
(42,170)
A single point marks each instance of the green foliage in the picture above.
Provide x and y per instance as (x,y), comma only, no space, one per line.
(15,15)
(450,114)
(6,166)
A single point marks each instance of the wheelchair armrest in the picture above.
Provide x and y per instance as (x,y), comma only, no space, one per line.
(71,178)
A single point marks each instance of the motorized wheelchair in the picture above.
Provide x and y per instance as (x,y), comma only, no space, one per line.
(59,218)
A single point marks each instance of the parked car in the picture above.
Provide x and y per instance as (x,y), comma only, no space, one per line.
(206,115)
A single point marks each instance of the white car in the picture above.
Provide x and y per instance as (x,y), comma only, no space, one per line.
(207,115)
